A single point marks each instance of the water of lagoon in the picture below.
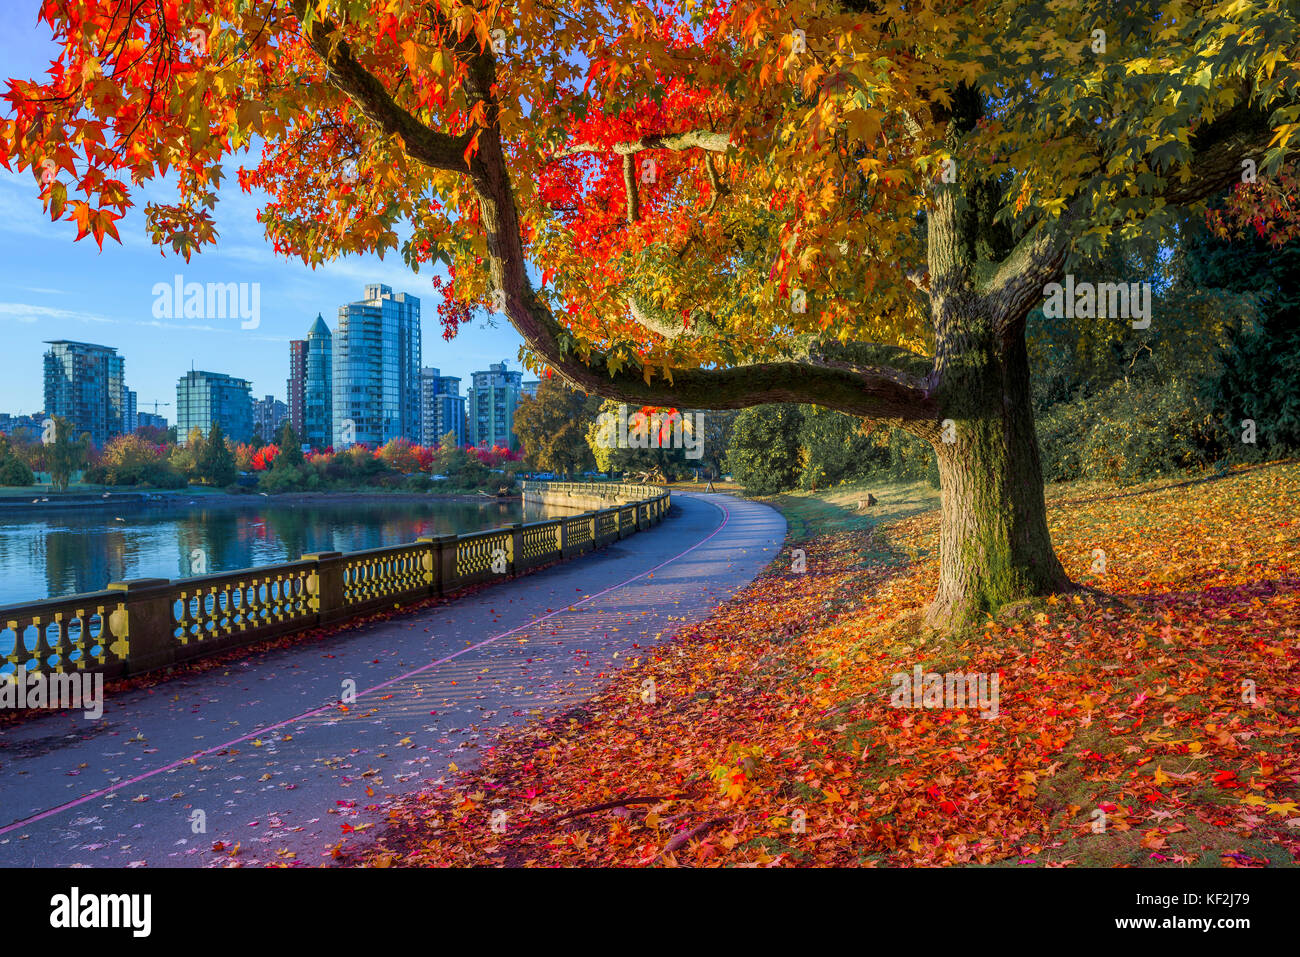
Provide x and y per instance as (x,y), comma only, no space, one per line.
(70,551)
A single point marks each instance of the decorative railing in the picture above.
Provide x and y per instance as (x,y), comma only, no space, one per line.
(145,624)
(64,634)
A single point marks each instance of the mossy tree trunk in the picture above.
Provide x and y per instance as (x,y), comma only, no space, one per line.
(994,545)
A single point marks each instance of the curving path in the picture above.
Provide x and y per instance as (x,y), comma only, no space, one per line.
(281,771)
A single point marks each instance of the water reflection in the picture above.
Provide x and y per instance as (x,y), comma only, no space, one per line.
(68,552)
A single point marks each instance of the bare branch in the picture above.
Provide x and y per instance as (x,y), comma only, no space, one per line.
(691,139)
(629,184)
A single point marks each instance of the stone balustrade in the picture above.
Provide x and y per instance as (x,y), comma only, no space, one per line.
(146,624)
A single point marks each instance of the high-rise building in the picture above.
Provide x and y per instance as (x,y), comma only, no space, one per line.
(268,415)
(130,420)
(376,369)
(84,384)
(150,420)
(530,388)
(492,400)
(318,391)
(295,387)
(442,407)
(203,398)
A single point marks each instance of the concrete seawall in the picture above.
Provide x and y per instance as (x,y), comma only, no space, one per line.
(583,501)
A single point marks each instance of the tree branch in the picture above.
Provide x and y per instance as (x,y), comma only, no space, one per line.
(1017,285)
(1039,258)
(881,394)
(690,139)
(1218,149)
(431,147)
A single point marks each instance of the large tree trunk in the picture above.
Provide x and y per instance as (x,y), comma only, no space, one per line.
(994,545)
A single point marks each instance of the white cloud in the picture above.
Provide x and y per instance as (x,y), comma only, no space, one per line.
(26,312)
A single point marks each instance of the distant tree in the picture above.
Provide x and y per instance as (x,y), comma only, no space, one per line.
(765,455)
(263,458)
(290,447)
(126,451)
(612,455)
(184,458)
(399,454)
(157,435)
(13,470)
(244,452)
(552,428)
(718,428)
(64,454)
(836,447)
(135,460)
(1260,375)
(462,469)
(216,462)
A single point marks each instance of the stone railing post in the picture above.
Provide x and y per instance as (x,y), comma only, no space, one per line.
(150,623)
(326,586)
(516,548)
(430,562)
(448,579)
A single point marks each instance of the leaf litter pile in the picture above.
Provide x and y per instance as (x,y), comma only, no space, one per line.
(1150,719)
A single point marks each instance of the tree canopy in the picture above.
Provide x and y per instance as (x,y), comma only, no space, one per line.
(703,184)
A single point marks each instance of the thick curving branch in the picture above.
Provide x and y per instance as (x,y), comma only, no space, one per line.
(431,147)
(1218,149)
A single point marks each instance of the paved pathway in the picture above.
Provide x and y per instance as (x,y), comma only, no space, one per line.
(281,771)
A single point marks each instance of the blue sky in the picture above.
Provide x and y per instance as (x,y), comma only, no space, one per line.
(53,288)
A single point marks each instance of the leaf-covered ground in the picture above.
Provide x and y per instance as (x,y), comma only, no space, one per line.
(1126,732)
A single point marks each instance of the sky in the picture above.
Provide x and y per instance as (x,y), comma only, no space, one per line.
(53,288)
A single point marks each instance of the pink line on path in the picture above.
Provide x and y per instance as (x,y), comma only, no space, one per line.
(76,802)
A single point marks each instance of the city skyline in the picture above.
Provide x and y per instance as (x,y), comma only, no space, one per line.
(378,384)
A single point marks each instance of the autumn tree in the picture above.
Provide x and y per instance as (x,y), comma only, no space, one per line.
(65,452)
(853,204)
(13,470)
(399,454)
(552,427)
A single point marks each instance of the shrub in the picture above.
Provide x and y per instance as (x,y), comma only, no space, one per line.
(14,471)
(1129,432)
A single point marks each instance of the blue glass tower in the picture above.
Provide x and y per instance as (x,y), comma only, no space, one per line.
(376,367)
